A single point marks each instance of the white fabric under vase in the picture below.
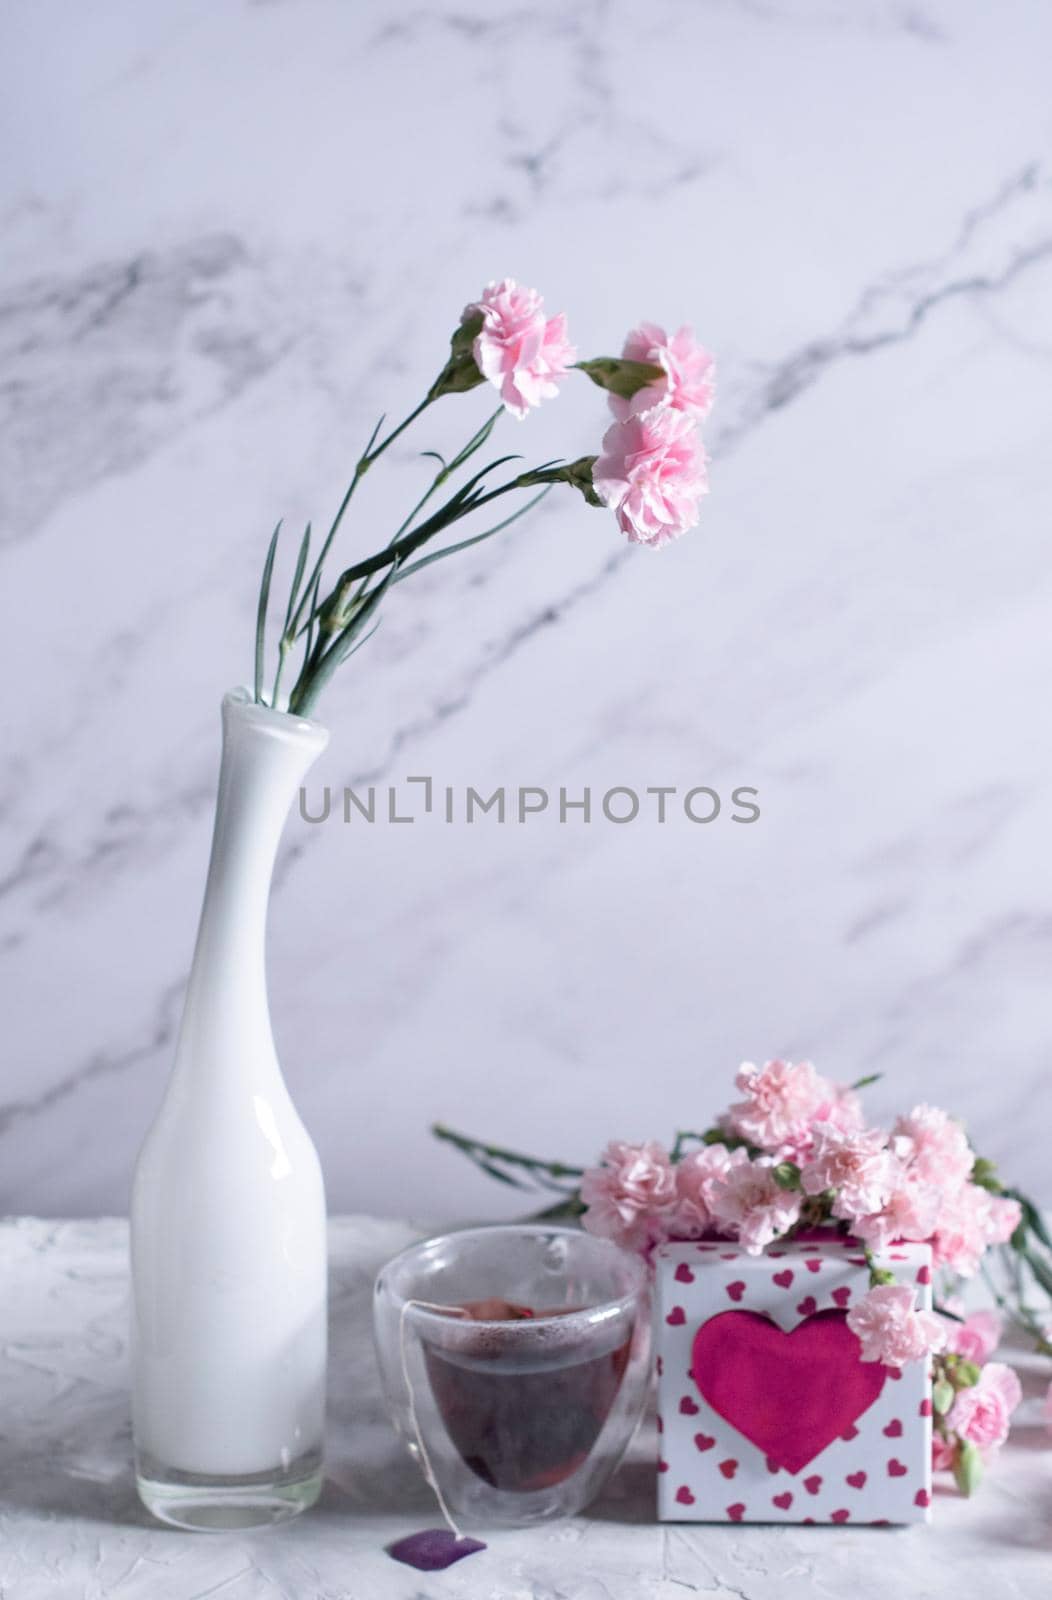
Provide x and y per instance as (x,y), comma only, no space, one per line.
(228,1206)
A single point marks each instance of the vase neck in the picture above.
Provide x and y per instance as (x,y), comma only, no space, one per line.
(266,755)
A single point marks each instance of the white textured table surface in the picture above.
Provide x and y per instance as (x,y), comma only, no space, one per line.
(71,1528)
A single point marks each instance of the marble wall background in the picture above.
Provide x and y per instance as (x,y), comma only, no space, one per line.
(229,233)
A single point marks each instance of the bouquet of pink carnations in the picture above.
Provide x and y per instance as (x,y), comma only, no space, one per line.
(795,1153)
(650,471)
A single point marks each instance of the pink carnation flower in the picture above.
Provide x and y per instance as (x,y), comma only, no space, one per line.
(696,1178)
(909,1212)
(781,1098)
(976,1338)
(982,1413)
(630,1194)
(748,1203)
(969,1219)
(857,1164)
(942,1453)
(652,474)
(518,349)
(891,1330)
(1004,1218)
(689,371)
(938,1148)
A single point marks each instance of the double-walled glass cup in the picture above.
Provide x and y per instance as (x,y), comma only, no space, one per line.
(521,1394)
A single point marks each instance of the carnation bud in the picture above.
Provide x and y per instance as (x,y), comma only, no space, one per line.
(967,1467)
(941,1397)
(620,377)
(460,372)
(786,1175)
(984,1175)
(578,474)
(965,1375)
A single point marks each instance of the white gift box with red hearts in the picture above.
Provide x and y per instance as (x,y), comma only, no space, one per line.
(766,1412)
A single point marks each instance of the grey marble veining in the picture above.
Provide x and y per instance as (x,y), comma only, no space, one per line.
(229,235)
(71,1527)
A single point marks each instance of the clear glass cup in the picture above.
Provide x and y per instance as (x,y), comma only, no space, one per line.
(518,1418)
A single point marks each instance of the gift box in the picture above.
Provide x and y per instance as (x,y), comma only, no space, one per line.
(766,1413)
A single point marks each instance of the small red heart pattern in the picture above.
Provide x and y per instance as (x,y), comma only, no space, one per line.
(699,1463)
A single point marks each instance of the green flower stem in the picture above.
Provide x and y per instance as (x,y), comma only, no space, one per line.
(445,472)
(344,606)
(365,461)
(493,1157)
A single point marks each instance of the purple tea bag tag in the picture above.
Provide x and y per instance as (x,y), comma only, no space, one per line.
(433,1549)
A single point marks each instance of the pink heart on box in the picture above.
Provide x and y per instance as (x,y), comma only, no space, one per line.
(790,1394)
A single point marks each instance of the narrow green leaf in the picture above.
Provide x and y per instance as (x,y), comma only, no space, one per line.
(1032,1217)
(495,1172)
(311,599)
(301,562)
(1041,1269)
(477,440)
(465,544)
(864,1083)
(261,613)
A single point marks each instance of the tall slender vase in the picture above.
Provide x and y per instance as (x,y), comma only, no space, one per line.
(228,1207)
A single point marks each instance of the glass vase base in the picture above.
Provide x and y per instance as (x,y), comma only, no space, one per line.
(203,1503)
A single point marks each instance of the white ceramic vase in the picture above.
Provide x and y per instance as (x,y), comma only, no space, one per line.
(228,1242)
